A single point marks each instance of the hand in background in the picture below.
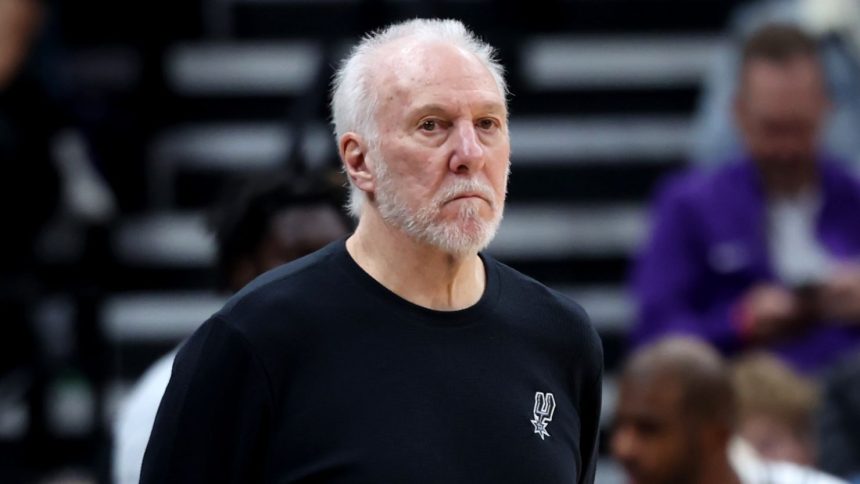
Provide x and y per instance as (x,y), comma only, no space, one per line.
(768,312)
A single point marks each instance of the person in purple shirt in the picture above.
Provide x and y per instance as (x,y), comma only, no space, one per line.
(763,250)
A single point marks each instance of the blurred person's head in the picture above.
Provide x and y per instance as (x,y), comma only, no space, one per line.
(775,409)
(19,23)
(675,415)
(781,104)
(272,221)
(420,116)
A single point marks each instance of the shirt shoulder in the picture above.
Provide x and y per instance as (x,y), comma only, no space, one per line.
(548,310)
(279,312)
(838,177)
(286,280)
(284,294)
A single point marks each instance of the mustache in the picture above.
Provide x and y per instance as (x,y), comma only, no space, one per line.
(461,187)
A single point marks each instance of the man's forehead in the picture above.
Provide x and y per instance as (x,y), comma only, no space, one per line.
(784,91)
(653,396)
(419,51)
(766,75)
(411,64)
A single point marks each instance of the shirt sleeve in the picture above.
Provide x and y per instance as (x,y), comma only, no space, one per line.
(213,420)
(590,398)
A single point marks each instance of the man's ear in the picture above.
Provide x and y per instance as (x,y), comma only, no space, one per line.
(353,151)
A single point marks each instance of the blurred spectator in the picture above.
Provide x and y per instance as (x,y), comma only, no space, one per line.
(48,193)
(29,196)
(28,120)
(676,418)
(269,224)
(272,222)
(836,27)
(776,408)
(762,250)
(839,422)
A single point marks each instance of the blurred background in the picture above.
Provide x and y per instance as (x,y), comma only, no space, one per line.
(123,124)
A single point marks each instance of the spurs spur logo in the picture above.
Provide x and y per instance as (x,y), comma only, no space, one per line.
(544,408)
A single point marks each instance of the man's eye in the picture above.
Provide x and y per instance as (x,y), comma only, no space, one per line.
(486,124)
(428,125)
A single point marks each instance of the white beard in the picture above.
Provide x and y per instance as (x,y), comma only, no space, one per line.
(467,234)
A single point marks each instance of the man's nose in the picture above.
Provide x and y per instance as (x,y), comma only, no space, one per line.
(468,153)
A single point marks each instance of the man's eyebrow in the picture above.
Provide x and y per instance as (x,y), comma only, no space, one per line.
(428,108)
(491,107)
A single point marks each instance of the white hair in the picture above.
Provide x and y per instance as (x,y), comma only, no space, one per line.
(354,98)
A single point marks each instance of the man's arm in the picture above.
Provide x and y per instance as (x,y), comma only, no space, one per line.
(590,405)
(213,420)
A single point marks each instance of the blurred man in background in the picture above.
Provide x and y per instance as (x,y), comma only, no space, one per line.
(776,408)
(272,221)
(835,25)
(675,422)
(763,250)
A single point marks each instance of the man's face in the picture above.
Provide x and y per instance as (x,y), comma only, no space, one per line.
(652,439)
(443,150)
(780,110)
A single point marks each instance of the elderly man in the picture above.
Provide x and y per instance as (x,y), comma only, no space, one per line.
(675,422)
(764,250)
(399,354)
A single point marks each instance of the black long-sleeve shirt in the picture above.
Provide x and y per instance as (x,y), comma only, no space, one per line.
(317,373)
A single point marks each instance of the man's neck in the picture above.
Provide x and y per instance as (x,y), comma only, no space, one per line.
(420,273)
(727,477)
(790,183)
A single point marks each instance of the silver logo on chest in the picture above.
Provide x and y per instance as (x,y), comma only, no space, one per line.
(544,408)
